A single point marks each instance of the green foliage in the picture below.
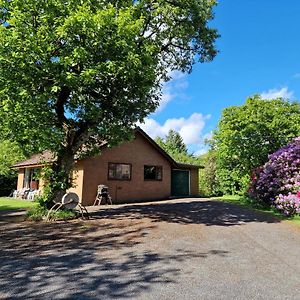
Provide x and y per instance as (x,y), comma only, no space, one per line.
(247,134)
(36,213)
(173,144)
(10,153)
(74,73)
(59,182)
(208,180)
(39,213)
(63,215)
(7,184)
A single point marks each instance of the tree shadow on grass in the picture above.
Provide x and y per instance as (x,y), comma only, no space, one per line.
(207,212)
(84,261)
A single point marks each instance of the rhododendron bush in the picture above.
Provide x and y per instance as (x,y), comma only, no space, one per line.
(278,181)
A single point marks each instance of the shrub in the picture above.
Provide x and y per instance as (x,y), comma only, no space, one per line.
(278,181)
(209,184)
(289,204)
(280,175)
(40,212)
(63,215)
(7,184)
(36,213)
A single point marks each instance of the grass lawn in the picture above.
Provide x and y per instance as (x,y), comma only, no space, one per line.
(12,204)
(239,200)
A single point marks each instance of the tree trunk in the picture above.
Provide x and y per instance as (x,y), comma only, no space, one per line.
(60,176)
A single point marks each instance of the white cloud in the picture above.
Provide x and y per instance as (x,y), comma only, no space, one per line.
(201,151)
(277,93)
(190,129)
(173,89)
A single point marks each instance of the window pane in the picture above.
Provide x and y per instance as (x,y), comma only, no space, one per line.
(159,173)
(125,171)
(152,173)
(119,171)
(111,174)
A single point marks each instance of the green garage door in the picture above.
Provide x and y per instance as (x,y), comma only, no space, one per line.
(180,183)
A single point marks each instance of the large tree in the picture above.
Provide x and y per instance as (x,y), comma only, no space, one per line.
(174,145)
(73,72)
(247,134)
(172,142)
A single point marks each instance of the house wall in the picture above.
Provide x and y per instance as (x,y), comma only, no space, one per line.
(20,178)
(194,182)
(77,175)
(137,153)
(78,180)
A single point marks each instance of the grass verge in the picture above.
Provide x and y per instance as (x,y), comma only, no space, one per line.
(248,203)
(15,204)
(39,213)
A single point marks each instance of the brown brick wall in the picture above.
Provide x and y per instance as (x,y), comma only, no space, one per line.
(91,172)
(194,173)
(138,153)
(20,179)
(78,180)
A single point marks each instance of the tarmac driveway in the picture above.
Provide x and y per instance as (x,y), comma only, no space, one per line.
(180,249)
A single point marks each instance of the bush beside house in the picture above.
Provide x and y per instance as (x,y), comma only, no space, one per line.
(278,182)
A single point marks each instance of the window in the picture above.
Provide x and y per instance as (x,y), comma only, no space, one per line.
(31,179)
(119,171)
(152,173)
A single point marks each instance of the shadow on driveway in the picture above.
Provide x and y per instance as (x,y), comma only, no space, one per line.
(207,212)
(84,261)
(111,256)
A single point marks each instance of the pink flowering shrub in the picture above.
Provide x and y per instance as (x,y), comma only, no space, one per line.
(289,204)
(278,181)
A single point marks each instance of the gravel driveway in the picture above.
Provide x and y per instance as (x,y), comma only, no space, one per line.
(179,249)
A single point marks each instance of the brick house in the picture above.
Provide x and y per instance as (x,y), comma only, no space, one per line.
(137,170)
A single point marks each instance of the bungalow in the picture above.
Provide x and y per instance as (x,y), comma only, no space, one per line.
(137,170)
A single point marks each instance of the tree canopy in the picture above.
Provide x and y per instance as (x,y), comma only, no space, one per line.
(173,142)
(10,153)
(174,145)
(75,72)
(247,134)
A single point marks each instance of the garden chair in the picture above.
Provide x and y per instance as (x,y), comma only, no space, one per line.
(33,194)
(21,193)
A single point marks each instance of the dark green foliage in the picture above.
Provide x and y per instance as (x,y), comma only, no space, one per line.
(7,184)
(39,213)
(74,73)
(208,180)
(247,134)
(10,153)
(36,213)
(173,144)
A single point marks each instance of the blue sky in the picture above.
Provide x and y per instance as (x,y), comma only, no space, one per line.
(259,54)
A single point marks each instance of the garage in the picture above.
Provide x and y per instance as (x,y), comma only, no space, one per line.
(180,183)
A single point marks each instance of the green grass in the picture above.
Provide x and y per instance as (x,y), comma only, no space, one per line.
(39,213)
(14,204)
(248,203)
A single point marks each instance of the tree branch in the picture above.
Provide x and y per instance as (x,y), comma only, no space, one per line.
(62,98)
